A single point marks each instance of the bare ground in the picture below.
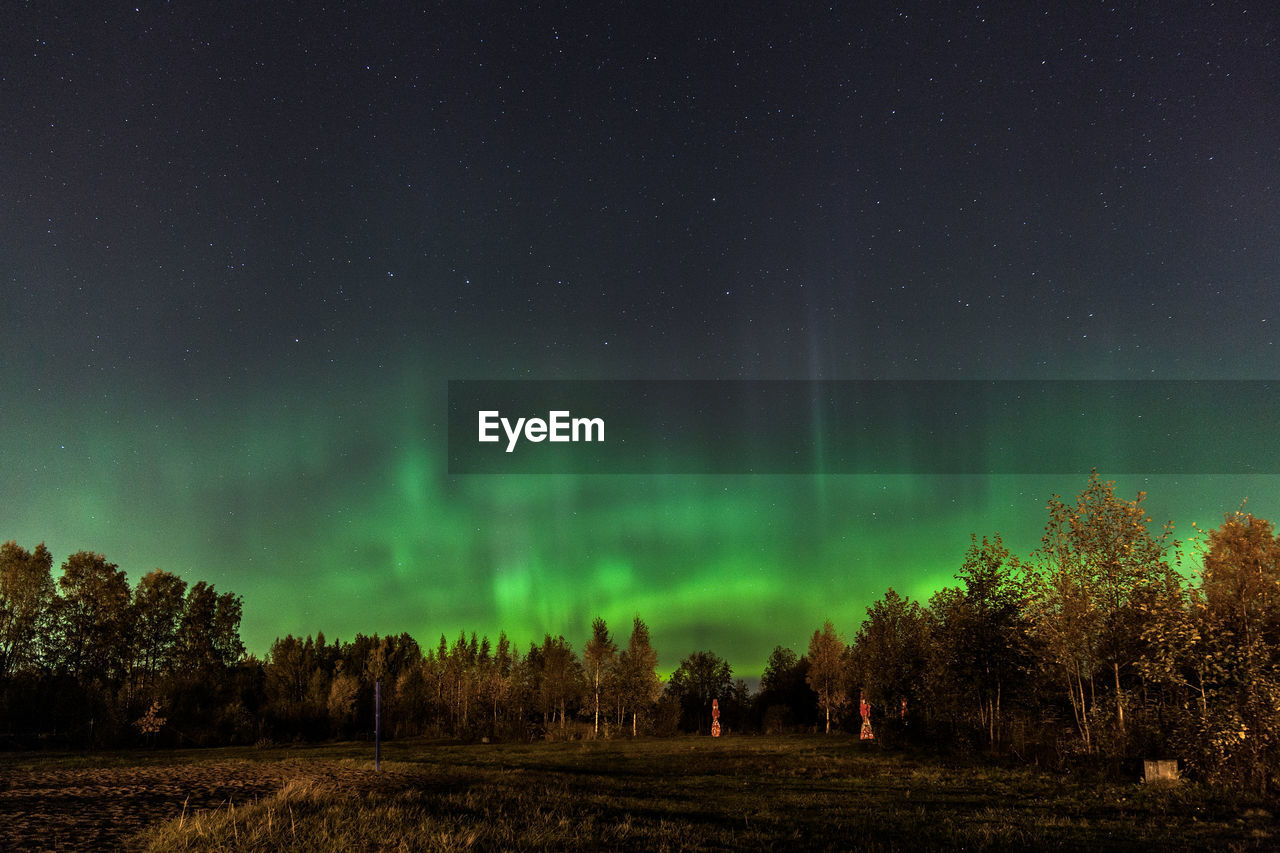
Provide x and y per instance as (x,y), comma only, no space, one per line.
(98,808)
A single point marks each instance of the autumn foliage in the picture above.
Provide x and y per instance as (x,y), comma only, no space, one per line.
(1099,647)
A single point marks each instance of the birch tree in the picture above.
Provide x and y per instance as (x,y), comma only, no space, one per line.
(828,674)
(640,684)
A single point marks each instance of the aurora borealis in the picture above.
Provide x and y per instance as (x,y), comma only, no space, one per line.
(246,246)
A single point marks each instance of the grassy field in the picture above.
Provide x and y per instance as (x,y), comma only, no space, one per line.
(802,792)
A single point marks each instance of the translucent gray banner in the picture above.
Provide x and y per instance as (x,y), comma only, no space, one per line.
(863,427)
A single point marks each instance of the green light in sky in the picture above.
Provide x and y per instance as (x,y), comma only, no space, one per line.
(351,524)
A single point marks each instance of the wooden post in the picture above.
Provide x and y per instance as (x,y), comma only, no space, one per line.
(1164,771)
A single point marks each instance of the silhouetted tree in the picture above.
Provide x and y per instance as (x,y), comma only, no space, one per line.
(890,652)
(981,648)
(640,685)
(93,617)
(208,640)
(93,613)
(559,678)
(785,698)
(701,677)
(159,601)
(26,602)
(296,679)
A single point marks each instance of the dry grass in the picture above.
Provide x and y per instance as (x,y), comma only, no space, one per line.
(732,794)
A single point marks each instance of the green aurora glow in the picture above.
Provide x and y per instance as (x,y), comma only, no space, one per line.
(245,247)
(343,520)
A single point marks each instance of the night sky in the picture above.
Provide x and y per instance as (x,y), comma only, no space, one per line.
(244,246)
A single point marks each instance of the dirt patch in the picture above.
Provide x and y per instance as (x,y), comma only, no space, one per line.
(99,808)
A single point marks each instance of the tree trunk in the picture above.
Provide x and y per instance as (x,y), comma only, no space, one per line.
(1080,705)
(996,726)
(1084,715)
(1075,703)
(1119,699)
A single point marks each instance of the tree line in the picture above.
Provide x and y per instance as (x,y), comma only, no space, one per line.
(1096,647)
(83,657)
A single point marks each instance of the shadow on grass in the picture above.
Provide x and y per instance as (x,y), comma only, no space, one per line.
(738,793)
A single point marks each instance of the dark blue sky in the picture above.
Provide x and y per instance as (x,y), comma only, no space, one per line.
(244,246)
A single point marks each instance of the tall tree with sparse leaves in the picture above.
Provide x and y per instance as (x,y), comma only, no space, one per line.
(638,663)
(1100,565)
(599,657)
(829,671)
